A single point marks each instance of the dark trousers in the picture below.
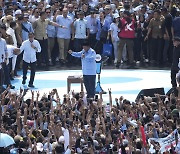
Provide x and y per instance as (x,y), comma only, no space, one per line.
(99,45)
(43,57)
(77,47)
(157,50)
(78,44)
(92,40)
(89,82)
(174,67)
(4,75)
(168,51)
(137,49)
(33,70)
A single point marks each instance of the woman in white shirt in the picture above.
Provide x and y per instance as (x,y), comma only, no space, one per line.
(113,31)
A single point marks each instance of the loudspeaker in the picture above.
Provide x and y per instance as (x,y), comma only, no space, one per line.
(172,90)
(150,92)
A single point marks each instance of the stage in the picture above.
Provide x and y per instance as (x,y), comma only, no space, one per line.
(125,82)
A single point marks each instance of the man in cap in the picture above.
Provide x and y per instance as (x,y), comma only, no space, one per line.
(87,55)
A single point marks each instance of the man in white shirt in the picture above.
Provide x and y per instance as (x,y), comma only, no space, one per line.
(11,31)
(4,70)
(12,52)
(30,48)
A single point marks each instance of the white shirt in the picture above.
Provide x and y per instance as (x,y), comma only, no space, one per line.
(29,55)
(3,50)
(80,28)
(10,49)
(32,18)
(115,30)
(11,32)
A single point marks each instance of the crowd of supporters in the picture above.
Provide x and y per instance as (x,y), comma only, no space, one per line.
(140,32)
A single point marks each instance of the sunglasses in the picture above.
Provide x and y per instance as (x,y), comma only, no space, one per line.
(48,12)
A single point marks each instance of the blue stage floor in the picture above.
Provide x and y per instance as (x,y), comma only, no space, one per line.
(125,83)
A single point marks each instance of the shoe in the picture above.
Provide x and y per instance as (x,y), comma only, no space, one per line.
(23,82)
(31,86)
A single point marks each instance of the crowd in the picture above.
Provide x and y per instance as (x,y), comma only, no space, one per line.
(135,31)
(140,32)
(74,124)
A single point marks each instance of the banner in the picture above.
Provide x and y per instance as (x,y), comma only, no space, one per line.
(165,143)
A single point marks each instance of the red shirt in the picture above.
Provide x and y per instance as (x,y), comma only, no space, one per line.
(128,30)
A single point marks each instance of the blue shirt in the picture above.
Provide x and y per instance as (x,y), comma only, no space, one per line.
(92,24)
(72,15)
(88,62)
(105,26)
(64,32)
(25,34)
(176,26)
(51,30)
(80,28)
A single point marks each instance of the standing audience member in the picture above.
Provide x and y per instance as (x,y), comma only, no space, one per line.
(40,27)
(167,35)
(51,33)
(18,33)
(114,30)
(71,12)
(92,26)
(80,31)
(64,34)
(4,69)
(34,16)
(30,48)
(6,36)
(11,31)
(126,35)
(12,52)
(26,27)
(155,30)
